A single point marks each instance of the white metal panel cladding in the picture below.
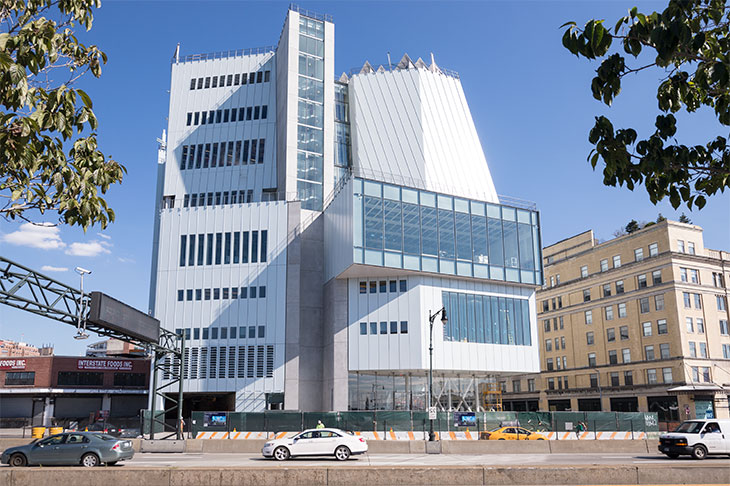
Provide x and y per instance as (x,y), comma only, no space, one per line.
(402,352)
(183,100)
(267,312)
(413,127)
(338,232)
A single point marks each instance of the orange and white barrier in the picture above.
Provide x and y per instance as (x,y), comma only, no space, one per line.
(420,435)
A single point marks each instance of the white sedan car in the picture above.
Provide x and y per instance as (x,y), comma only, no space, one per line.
(316,442)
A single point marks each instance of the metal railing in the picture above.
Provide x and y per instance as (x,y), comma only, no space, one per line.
(421,184)
(227,54)
(308,13)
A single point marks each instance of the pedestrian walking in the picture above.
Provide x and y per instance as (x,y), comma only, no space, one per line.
(579,429)
(320,425)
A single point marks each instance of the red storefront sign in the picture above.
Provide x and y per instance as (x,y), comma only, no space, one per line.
(12,364)
(104,365)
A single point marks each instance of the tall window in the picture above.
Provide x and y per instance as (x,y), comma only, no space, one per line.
(604,265)
(591,359)
(644,305)
(638,254)
(653,250)
(721,302)
(584,271)
(589,317)
(617,261)
(659,302)
(646,328)
(651,376)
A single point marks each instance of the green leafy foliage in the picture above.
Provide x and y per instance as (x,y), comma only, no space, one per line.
(632,227)
(690,44)
(49,157)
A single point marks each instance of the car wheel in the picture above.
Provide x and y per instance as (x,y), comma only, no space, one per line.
(112,463)
(90,460)
(699,452)
(18,460)
(281,453)
(342,453)
(501,438)
(672,455)
(540,438)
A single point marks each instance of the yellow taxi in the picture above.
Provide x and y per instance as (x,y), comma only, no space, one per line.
(513,433)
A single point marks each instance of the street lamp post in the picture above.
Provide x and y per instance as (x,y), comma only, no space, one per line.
(431,318)
(81,332)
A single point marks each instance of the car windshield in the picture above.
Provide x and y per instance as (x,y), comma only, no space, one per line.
(690,427)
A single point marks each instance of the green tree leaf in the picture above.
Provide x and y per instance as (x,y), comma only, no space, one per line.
(49,156)
(690,41)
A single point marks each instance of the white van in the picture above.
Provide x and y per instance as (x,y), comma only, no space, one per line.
(697,438)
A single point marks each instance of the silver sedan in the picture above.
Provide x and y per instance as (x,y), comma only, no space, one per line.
(73,448)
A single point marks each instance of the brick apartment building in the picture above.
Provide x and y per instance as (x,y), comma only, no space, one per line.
(636,323)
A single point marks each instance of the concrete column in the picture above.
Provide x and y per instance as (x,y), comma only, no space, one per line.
(48,411)
(643,403)
(574,404)
(106,402)
(605,404)
(685,404)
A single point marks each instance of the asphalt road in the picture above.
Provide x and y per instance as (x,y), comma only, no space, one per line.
(256,460)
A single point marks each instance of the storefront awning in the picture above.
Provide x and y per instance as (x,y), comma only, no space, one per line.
(706,387)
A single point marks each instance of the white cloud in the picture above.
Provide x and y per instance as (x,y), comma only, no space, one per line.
(126,260)
(45,236)
(50,268)
(106,237)
(90,249)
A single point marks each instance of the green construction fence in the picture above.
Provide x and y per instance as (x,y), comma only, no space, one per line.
(417,421)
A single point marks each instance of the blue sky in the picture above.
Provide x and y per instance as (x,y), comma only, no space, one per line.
(529,97)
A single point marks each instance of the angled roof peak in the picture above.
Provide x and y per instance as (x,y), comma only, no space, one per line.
(367,68)
(405,63)
(381,69)
(344,78)
(420,64)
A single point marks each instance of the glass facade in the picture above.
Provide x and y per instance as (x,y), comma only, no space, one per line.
(400,227)
(474,318)
(342,132)
(310,120)
(408,391)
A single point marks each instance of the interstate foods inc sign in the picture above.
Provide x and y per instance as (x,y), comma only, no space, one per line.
(104,364)
(12,364)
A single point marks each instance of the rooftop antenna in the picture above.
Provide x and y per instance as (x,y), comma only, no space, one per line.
(389,64)
(176,56)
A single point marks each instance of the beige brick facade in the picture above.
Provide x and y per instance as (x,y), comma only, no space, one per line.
(637,323)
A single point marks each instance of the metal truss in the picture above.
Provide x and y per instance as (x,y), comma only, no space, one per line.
(169,361)
(24,288)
